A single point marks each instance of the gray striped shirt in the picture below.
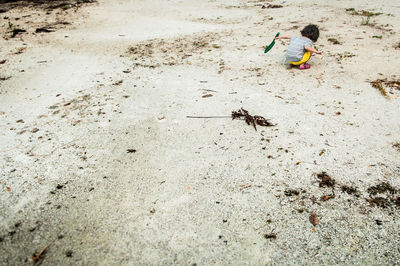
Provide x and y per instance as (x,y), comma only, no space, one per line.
(296,49)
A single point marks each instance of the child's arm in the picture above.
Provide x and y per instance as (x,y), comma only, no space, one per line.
(312,50)
(283,37)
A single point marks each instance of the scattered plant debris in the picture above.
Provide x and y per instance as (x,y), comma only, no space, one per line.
(68,253)
(44,29)
(291,192)
(3,61)
(327,197)
(46,5)
(314,219)
(340,56)
(14,31)
(4,78)
(51,27)
(271,235)
(397,146)
(130,150)
(387,196)
(156,52)
(207,95)
(383,187)
(241,187)
(39,257)
(378,84)
(392,84)
(334,41)
(20,50)
(117,83)
(273,6)
(365,21)
(350,190)
(379,201)
(363,13)
(377,36)
(251,120)
(325,180)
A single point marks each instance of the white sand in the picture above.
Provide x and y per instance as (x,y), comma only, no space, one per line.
(202,191)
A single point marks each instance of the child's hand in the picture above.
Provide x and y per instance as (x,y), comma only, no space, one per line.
(318,52)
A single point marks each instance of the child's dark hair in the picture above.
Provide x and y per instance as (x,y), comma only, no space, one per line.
(311,31)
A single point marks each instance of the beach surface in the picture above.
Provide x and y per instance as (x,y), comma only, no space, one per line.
(101,165)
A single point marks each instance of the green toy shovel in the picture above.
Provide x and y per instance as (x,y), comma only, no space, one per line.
(269,47)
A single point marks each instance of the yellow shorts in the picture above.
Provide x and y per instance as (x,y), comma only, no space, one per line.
(305,58)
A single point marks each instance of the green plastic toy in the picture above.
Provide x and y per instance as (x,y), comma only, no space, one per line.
(269,47)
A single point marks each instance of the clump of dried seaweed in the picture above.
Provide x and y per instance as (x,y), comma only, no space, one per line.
(250,119)
(378,84)
(325,180)
(393,84)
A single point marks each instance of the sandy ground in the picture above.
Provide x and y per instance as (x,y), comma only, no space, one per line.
(99,164)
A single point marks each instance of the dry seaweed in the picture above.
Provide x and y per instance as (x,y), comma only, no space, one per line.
(395,84)
(44,29)
(381,188)
(46,5)
(378,84)
(291,192)
(327,197)
(325,180)
(350,190)
(334,41)
(380,202)
(274,6)
(250,119)
(14,32)
(364,13)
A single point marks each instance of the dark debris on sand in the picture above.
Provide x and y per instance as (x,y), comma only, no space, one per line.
(250,119)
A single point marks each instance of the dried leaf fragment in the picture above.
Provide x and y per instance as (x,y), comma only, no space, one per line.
(314,219)
(327,197)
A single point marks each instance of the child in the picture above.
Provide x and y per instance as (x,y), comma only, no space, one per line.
(301,48)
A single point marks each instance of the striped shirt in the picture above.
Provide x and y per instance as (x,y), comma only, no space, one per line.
(296,49)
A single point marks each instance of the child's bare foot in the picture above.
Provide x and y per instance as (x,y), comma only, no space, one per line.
(304,66)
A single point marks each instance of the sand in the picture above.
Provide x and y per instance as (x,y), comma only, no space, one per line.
(100,165)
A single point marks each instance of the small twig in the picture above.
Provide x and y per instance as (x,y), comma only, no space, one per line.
(241,187)
(209,90)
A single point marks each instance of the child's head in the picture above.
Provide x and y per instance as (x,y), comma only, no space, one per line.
(311,31)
